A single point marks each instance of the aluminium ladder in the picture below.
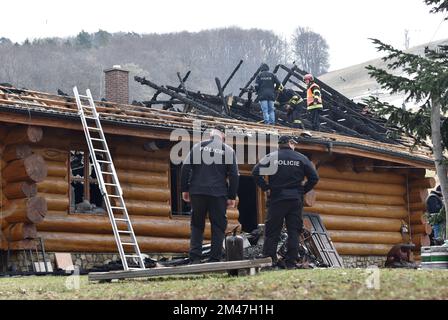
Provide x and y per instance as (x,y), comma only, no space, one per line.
(108,181)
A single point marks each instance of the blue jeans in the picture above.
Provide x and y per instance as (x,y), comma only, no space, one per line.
(268,111)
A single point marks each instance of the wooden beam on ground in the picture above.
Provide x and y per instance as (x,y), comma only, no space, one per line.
(188,269)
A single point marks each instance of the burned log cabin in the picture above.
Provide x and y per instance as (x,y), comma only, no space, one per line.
(371,195)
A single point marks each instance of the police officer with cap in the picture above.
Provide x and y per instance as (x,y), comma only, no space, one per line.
(209,180)
(285,189)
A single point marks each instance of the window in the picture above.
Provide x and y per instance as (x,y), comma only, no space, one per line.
(85,195)
(178,206)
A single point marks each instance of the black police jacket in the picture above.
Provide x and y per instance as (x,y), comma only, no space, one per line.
(265,84)
(287,182)
(207,167)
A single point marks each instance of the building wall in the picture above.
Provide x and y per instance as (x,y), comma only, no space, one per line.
(363,211)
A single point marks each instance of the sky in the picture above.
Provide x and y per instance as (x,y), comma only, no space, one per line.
(345,24)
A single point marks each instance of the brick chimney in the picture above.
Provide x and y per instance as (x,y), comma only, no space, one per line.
(117,85)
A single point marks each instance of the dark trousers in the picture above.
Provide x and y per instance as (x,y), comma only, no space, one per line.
(314,117)
(289,211)
(216,208)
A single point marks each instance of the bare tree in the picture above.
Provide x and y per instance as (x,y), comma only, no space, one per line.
(310,51)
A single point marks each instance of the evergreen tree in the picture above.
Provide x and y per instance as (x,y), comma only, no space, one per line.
(424,79)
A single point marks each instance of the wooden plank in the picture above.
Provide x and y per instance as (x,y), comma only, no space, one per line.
(188,269)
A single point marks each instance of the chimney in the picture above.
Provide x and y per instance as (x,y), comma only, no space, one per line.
(117,85)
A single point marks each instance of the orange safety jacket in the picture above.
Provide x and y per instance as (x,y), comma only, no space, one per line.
(312,93)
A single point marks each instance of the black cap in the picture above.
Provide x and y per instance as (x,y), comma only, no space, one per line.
(220,128)
(439,188)
(287,139)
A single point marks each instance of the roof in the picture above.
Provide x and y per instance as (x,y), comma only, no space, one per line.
(33,106)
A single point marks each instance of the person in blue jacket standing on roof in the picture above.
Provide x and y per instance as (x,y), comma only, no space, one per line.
(266,85)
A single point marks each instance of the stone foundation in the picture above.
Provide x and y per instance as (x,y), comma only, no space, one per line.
(363,261)
(20,262)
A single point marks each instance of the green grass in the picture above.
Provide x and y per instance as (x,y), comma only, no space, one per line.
(297,284)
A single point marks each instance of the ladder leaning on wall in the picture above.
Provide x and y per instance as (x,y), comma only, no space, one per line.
(108,182)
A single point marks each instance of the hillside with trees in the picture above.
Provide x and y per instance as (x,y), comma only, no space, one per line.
(50,64)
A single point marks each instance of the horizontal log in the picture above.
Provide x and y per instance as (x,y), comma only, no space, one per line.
(139,163)
(16,151)
(421,229)
(387,178)
(32,210)
(418,217)
(361,187)
(362,249)
(145,193)
(159,179)
(51,139)
(74,242)
(56,202)
(20,190)
(52,154)
(24,134)
(20,231)
(421,240)
(137,149)
(57,169)
(33,169)
(19,245)
(360,210)
(56,185)
(148,208)
(351,197)
(333,222)
(373,237)
(418,195)
(425,183)
(417,206)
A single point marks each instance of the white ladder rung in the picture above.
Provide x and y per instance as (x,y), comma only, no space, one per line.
(131,256)
(113,196)
(120,219)
(118,208)
(128,244)
(109,173)
(93,128)
(111,184)
(99,150)
(97,139)
(102,161)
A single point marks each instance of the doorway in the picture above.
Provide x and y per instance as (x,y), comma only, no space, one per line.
(247,205)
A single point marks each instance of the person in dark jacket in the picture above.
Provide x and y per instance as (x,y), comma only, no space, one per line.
(291,100)
(204,175)
(285,191)
(266,84)
(434,203)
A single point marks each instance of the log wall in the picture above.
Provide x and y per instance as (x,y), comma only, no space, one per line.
(362,208)
(145,180)
(22,170)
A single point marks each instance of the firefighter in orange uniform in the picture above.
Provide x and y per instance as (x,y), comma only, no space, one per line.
(314,101)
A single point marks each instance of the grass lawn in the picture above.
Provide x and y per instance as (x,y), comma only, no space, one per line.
(296,284)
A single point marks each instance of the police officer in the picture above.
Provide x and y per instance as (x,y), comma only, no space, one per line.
(204,176)
(285,190)
(266,84)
